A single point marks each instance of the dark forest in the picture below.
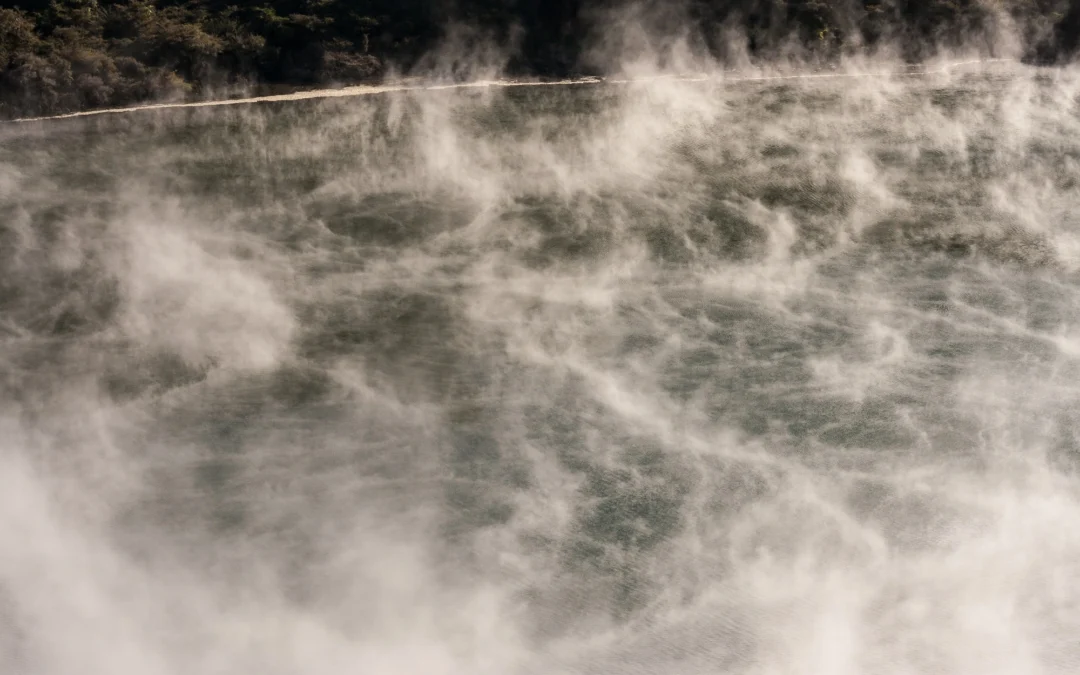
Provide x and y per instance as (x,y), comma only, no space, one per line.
(64,55)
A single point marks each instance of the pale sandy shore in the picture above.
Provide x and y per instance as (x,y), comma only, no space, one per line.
(367,90)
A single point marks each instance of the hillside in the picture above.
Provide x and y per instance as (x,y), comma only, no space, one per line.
(66,55)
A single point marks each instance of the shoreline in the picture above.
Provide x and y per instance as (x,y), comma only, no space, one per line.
(406,85)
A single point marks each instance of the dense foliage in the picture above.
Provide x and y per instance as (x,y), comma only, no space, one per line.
(63,55)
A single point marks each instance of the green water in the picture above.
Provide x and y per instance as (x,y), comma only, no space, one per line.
(678,377)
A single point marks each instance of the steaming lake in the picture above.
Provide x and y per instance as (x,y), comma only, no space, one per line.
(668,377)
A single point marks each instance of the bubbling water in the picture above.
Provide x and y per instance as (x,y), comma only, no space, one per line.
(660,376)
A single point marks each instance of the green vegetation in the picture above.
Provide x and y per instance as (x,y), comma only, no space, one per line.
(65,55)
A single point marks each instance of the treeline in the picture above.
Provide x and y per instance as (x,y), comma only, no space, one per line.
(65,55)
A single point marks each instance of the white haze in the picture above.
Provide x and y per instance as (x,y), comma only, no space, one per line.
(863,401)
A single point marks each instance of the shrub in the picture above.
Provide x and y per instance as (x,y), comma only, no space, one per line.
(345,67)
(16,35)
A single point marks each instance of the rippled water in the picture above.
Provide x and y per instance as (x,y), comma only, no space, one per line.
(671,377)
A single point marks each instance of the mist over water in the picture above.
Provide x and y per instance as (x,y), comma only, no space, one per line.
(669,377)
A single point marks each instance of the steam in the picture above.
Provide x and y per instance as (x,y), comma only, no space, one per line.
(686,372)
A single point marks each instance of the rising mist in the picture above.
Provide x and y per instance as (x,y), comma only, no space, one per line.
(686,372)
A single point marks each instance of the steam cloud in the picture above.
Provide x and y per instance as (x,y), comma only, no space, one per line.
(672,376)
